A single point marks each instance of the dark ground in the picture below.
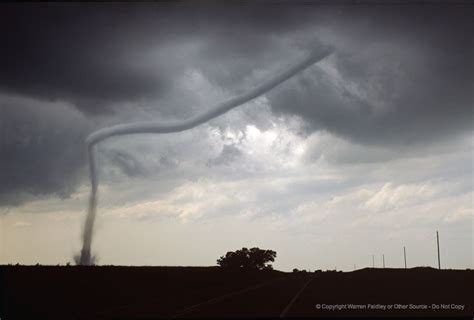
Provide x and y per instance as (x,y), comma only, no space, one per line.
(107,292)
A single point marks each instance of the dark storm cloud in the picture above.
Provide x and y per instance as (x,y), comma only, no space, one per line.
(414,62)
(412,66)
(41,148)
(96,55)
(71,53)
(411,72)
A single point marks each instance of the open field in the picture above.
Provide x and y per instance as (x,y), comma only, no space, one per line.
(107,292)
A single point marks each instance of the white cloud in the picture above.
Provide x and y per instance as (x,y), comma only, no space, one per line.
(391,197)
(21,224)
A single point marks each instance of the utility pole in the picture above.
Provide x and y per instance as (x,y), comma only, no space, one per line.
(373,261)
(383,259)
(405,256)
(437,242)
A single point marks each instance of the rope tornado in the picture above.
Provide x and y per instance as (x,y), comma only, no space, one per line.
(85,257)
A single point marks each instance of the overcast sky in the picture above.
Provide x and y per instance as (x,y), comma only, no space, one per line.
(365,152)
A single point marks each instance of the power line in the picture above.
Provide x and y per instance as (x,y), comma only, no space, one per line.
(405,256)
(437,243)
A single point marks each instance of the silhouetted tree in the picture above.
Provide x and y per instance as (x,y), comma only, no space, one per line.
(254,258)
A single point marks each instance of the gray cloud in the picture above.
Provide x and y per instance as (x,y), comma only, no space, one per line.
(41,149)
(95,56)
(125,162)
(229,154)
(405,76)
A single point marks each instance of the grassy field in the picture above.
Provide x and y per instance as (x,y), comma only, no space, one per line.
(112,292)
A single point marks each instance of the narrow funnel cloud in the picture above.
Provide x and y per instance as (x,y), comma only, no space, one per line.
(176,126)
